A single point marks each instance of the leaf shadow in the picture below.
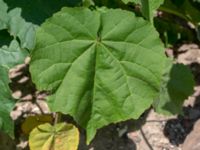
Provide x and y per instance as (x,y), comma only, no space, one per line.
(177,129)
(108,138)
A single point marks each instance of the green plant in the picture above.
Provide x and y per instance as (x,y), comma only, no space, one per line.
(10,56)
(100,65)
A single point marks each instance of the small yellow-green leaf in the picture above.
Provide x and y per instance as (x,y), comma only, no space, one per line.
(62,136)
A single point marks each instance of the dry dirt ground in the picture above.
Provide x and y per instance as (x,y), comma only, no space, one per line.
(150,132)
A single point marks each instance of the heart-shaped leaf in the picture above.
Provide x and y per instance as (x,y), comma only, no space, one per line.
(102,67)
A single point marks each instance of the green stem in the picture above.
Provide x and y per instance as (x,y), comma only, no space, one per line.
(56,118)
(174,13)
(145,9)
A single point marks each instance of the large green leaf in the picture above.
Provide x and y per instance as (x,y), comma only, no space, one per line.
(101,67)
(62,136)
(9,57)
(148,7)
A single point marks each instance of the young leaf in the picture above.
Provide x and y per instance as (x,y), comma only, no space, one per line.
(62,136)
(176,86)
(102,67)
